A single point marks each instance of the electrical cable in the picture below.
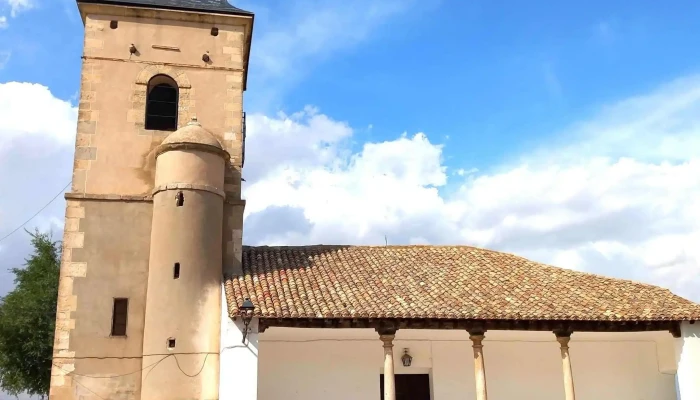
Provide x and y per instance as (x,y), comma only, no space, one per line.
(88,389)
(188,375)
(112,376)
(135,357)
(152,366)
(37,213)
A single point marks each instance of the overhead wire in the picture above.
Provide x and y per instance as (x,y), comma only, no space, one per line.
(151,366)
(35,214)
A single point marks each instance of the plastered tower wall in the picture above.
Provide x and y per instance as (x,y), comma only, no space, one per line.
(183,300)
(110,206)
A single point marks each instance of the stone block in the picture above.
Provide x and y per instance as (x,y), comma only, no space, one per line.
(87,95)
(87,127)
(66,254)
(74,240)
(86,153)
(65,354)
(84,115)
(77,270)
(62,340)
(92,25)
(92,77)
(79,180)
(81,164)
(75,211)
(82,140)
(71,224)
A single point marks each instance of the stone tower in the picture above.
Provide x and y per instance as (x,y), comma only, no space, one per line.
(154,215)
(183,296)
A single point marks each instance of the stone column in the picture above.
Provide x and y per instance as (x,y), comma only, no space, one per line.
(479,368)
(688,356)
(387,337)
(563,339)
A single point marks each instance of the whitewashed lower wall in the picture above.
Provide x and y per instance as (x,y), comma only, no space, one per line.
(309,364)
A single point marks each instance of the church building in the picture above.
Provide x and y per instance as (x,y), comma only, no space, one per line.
(160,300)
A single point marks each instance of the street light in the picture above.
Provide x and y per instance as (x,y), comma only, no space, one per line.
(246,312)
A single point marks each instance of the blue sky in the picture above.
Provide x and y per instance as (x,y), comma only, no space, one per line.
(492,76)
(563,133)
(568,134)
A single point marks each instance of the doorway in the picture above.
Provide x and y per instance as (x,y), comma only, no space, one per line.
(409,386)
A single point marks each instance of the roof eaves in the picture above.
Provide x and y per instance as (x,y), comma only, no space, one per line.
(163,6)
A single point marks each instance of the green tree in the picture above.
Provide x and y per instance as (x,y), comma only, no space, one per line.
(27,321)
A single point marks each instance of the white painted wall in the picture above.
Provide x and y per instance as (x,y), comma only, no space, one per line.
(238,368)
(688,355)
(309,364)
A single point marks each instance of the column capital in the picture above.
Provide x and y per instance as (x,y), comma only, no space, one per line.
(388,340)
(477,337)
(390,330)
(563,337)
(563,333)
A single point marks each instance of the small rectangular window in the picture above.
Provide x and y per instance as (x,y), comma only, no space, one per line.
(176,271)
(179,199)
(119,317)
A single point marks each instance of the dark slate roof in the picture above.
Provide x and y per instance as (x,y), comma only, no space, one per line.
(212,6)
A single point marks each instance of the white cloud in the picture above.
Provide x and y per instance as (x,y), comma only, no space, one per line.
(17,6)
(3,22)
(21,104)
(615,195)
(37,133)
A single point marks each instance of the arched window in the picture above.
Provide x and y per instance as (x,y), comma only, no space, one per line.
(162,104)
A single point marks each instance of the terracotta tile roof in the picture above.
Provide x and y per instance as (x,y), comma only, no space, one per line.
(437,282)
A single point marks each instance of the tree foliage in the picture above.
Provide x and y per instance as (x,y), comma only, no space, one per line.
(27,321)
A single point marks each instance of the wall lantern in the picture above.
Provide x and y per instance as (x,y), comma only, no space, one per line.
(246,312)
(406,358)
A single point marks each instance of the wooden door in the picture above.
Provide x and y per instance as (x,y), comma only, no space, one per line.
(409,386)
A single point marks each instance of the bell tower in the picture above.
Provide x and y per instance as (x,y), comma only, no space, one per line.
(154,216)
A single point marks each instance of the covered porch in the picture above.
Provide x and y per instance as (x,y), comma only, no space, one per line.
(331,321)
(298,359)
